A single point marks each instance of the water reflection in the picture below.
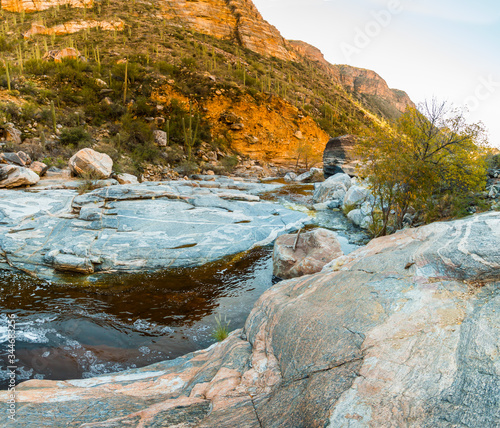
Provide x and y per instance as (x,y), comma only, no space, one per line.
(69,331)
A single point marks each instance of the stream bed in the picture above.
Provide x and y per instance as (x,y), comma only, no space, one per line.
(78,328)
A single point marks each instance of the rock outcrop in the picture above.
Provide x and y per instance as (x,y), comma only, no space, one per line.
(390,102)
(71,27)
(402,332)
(39,5)
(16,176)
(230,19)
(304,253)
(9,132)
(380,97)
(91,163)
(58,55)
(136,228)
(339,156)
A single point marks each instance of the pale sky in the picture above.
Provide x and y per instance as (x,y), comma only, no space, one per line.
(448,49)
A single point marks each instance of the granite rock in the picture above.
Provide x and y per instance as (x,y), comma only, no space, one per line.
(130,228)
(402,332)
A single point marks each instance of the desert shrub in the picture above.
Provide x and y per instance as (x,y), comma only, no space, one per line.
(76,137)
(229,163)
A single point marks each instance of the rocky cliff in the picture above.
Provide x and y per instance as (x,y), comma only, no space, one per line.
(39,5)
(369,83)
(402,332)
(359,81)
(236,19)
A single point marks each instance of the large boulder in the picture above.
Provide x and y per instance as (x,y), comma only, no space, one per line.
(339,155)
(333,188)
(91,163)
(356,196)
(402,333)
(19,158)
(39,167)
(16,176)
(304,254)
(312,176)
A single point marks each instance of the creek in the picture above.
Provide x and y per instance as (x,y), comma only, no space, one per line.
(79,329)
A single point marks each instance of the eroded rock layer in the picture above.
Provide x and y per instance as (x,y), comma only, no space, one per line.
(141,227)
(39,5)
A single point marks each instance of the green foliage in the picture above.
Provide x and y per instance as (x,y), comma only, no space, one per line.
(493,161)
(432,153)
(76,137)
(229,163)
(222,329)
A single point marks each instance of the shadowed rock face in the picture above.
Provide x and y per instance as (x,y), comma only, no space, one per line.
(338,155)
(398,333)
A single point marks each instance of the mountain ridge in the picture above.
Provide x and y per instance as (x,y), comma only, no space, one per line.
(212,53)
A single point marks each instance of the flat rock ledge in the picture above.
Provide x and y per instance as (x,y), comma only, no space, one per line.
(401,333)
(131,228)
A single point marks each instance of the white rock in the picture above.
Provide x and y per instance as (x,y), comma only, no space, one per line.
(127,179)
(15,176)
(334,188)
(88,161)
(356,196)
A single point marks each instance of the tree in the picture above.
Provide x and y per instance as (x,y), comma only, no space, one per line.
(431,151)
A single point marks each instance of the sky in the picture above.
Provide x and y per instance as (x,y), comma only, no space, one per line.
(443,49)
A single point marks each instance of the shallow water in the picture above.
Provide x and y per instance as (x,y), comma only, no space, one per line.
(66,331)
(80,326)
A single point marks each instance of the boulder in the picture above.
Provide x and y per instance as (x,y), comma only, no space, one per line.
(16,176)
(39,167)
(333,188)
(314,175)
(91,163)
(304,254)
(160,138)
(338,153)
(401,333)
(290,176)
(127,179)
(19,158)
(10,133)
(360,218)
(356,196)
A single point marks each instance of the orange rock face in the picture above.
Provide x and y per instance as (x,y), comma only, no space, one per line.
(234,19)
(271,130)
(38,5)
(73,27)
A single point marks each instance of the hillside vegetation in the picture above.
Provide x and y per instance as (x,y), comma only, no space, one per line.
(209,95)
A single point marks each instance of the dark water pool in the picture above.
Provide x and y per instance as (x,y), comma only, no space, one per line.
(66,330)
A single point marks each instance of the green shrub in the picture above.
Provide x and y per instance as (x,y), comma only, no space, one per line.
(76,137)
(229,163)
(222,329)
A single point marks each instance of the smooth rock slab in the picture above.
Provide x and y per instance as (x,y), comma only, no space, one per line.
(401,333)
(129,228)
